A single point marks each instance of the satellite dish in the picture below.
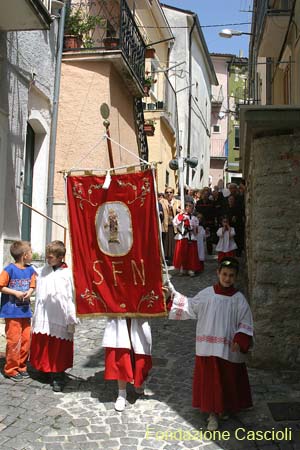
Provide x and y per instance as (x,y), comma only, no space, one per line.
(104,111)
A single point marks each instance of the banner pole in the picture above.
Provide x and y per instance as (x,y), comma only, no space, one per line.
(104,111)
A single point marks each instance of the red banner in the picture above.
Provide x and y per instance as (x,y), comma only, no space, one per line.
(115,246)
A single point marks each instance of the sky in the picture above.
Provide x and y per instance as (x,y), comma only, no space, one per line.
(214,12)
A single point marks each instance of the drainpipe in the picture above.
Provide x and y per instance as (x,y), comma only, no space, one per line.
(285,41)
(53,132)
(190,98)
(252,91)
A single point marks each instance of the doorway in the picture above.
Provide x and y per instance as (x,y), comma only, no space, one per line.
(28,179)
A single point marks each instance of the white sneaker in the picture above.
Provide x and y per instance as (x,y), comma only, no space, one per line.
(120,404)
(212,424)
(191,273)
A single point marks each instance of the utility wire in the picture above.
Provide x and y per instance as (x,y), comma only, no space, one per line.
(202,26)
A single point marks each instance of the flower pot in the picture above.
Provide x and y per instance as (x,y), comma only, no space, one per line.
(72,41)
(111,42)
(150,53)
(149,129)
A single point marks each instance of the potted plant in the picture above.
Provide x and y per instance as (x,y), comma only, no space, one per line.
(78,25)
(111,41)
(148,81)
(149,127)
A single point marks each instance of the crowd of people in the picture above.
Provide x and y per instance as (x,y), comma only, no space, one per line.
(224,320)
(209,217)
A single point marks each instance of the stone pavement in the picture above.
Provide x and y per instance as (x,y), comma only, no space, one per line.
(32,417)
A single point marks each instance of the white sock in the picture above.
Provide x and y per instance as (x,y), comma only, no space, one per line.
(122,393)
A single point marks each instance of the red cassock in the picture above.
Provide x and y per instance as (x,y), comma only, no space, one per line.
(220,382)
(186,249)
(220,385)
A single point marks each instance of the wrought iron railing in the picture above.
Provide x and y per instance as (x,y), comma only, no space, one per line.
(132,44)
(270,6)
(106,25)
(141,136)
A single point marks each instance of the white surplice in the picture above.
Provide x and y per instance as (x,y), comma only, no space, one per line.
(219,318)
(226,240)
(116,335)
(200,243)
(54,307)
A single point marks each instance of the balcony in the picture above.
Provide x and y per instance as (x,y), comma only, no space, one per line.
(162,99)
(106,31)
(218,148)
(217,97)
(272,19)
(20,15)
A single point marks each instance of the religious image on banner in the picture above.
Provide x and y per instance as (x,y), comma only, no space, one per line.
(115,242)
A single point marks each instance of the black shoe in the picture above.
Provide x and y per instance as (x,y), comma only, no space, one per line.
(58,382)
(18,377)
(57,386)
(24,374)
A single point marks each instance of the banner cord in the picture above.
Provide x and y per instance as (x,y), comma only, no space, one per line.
(170,285)
(124,148)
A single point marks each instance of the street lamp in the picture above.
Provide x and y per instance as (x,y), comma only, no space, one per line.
(226,33)
(178,164)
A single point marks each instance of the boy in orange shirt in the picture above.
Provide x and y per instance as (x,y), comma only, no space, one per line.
(17,282)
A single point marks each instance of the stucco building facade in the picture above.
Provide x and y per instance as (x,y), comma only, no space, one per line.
(115,75)
(28,43)
(219,118)
(192,79)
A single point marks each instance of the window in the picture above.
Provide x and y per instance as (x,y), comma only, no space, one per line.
(237,137)
(28,180)
(216,129)
(154,74)
(167,178)
(201,174)
(287,85)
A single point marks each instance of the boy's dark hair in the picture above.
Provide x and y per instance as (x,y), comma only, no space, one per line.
(224,218)
(18,248)
(188,202)
(57,248)
(230,263)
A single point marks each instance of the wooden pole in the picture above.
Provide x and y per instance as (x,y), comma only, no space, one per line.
(106,123)
(48,218)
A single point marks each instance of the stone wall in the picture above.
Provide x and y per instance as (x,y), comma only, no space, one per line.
(273,248)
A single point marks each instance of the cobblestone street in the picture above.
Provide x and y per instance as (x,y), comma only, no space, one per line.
(32,417)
